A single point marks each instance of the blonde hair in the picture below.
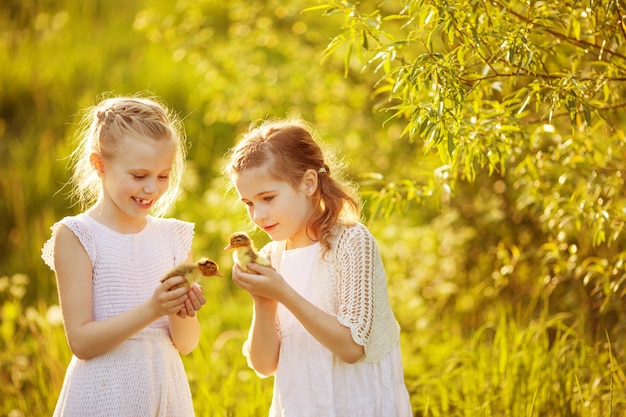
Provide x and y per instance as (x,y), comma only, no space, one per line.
(106,125)
(290,148)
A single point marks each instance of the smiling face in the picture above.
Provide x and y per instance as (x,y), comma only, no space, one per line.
(276,207)
(132,182)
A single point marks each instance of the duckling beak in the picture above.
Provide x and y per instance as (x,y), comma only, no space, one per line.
(229,246)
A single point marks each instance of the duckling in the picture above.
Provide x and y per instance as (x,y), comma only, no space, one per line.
(193,272)
(245,251)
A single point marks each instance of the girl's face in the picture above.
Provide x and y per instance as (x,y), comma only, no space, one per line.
(133,181)
(281,210)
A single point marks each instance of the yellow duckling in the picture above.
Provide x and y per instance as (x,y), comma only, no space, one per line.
(245,251)
(193,272)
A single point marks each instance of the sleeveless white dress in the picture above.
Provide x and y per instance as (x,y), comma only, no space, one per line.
(144,376)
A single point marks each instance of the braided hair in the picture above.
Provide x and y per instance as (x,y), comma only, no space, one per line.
(105,126)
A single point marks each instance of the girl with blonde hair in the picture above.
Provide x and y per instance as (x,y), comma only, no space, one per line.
(125,328)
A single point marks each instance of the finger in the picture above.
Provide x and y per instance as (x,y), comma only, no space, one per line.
(176,296)
(201,299)
(197,300)
(258,268)
(182,313)
(190,308)
(175,300)
(196,288)
(192,300)
(235,272)
(239,282)
(198,291)
(173,282)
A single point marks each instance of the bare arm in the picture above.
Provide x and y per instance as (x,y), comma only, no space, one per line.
(263,338)
(88,338)
(322,326)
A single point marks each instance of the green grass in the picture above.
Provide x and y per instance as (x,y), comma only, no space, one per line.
(502,370)
(505,370)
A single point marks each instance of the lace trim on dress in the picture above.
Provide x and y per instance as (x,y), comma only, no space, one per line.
(349,281)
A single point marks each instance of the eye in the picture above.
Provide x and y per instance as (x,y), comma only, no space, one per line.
(268,198)
(138,176)
(164,177)
(248,203)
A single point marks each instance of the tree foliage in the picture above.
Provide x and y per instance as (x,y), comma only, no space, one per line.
(530,93)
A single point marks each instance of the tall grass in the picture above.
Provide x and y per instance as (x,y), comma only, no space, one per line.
(33,352)
(501,370)
(505,370)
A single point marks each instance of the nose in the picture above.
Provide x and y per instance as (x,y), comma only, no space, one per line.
(259,214)
(150,186)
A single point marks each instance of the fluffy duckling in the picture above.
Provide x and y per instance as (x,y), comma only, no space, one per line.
(193,272)
(245,251)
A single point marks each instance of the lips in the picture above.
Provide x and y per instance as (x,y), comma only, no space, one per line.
(268,229)
(143,202)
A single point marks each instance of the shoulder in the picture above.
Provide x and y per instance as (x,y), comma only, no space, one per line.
(82,218)
(71,236)
(79,225)
(354,240)
(344,233)
(67,240)
(62,233)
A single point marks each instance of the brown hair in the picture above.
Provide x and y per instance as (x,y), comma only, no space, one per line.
(289,148)
(117,119)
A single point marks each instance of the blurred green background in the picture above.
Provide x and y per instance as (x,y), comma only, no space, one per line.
(491,325)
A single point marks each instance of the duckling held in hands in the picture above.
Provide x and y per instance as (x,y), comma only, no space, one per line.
(193,272)
(245,251)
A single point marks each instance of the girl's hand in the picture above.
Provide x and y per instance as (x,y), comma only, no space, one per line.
(266,284)
(166,302)
(194,302)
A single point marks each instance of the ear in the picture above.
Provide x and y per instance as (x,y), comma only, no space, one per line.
(97,163)
(309,182)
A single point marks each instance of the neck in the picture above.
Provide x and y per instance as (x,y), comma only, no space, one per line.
(300,240)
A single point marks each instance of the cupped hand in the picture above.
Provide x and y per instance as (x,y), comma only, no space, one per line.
(266,283)
(167,301)
(193,303)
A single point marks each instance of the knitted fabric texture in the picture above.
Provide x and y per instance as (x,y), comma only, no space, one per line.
(350,283)
(144,375)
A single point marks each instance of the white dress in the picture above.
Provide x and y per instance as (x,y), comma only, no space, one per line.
(143,376)
(310,381)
